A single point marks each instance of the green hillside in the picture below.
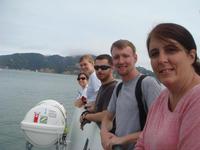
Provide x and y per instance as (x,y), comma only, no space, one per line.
(42,63)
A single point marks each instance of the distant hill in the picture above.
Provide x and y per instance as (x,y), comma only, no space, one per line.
(38,62)
(42,63)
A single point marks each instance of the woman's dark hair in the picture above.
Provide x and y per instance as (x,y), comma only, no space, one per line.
(82,73)
(166,31)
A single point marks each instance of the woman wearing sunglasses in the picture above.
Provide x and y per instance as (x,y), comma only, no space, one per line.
(83,82)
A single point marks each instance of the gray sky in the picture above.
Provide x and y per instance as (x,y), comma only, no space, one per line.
(70,27)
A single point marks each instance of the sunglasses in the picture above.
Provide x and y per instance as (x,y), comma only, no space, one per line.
(102,67)
(81,78)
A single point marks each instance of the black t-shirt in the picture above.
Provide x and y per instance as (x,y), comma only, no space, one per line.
(104,95)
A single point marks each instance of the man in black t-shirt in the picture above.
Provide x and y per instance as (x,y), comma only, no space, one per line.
(104,71)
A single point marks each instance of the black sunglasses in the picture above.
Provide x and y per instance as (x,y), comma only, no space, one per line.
(81,78)
(102,67)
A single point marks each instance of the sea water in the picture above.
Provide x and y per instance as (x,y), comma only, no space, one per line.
(22,90)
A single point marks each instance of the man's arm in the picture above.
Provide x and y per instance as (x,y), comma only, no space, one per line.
(127,139)
(96,117)
(107,121)
(108,139)
(106,126)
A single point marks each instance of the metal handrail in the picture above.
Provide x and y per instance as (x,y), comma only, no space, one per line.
(117,147)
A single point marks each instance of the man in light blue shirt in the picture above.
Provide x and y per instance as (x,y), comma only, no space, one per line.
(86,63)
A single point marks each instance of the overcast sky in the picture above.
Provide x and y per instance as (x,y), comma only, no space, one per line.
(70,27)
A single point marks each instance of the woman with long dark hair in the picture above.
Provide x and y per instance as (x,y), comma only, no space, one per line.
(173,122)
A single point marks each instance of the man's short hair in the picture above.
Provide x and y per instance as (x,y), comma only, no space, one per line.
(120,44)
(105,56)
(87,57)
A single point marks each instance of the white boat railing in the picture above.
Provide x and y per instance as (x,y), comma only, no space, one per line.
(88,138)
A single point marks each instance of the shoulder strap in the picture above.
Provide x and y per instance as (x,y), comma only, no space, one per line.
(119,88)
(138,94)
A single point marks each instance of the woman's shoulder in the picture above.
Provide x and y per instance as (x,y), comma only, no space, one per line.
(193,95)
(162,98)
(196,88)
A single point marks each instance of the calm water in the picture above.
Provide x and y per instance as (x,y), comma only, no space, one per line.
(20,91)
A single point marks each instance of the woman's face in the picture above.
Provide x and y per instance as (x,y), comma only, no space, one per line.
(171,62)
(82,80)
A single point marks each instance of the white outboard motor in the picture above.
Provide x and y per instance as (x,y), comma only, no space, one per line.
(44,124)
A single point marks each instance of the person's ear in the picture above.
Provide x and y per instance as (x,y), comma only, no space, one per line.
(135,57)
(192,55)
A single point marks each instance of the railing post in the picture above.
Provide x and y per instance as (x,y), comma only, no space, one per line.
(28,146)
